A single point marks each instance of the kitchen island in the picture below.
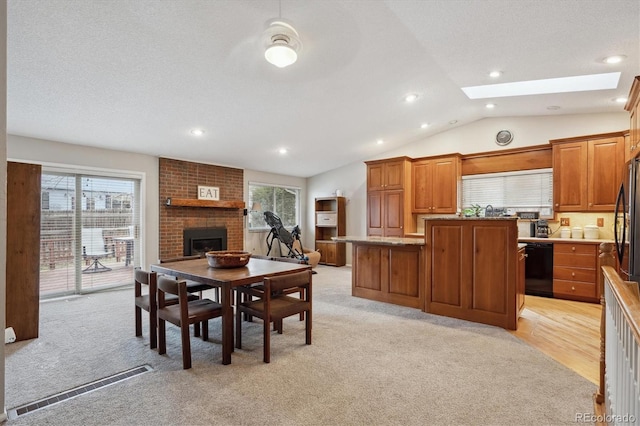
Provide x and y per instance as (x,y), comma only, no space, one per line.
(472,266)
(388,269)
(465,268)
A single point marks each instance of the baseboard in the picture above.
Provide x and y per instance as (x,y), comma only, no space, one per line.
(3,416)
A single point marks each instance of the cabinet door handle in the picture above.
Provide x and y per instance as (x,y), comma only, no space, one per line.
(573,274)
(557,205)
(573,288)
(573,249)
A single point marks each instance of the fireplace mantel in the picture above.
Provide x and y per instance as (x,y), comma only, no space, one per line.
(216,204)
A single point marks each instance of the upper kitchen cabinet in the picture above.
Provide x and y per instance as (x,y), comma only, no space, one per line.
(587,172)
(389,197)
(633,106)
(435,183)
(388,174)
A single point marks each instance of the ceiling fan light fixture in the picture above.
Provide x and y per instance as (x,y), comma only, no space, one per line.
(282,44)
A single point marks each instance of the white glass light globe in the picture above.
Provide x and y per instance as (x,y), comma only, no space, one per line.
(280,55)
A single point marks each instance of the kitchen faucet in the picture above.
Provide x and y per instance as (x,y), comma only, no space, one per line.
(488,211)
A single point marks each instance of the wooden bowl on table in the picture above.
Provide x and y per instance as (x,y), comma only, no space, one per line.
(227,258)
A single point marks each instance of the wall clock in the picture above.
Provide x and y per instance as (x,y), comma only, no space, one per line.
(504,137)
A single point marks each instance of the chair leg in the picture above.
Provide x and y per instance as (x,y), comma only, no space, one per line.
(307,327)
(186,346)
(162,337)
(138,321)
(153,330)
(267,342)
(239,329)
(205,330)
(196,329)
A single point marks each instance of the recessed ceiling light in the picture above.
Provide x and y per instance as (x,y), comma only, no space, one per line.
(615,59)
(379,141)
(412,97)
(553,107)
(197,132)
(282,151)
(424,125)
(580,83)
(490,106)
(620,100)
(495,74)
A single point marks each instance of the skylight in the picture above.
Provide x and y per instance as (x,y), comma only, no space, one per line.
(580,83)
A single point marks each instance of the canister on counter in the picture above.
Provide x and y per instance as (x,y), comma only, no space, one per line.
(576,232)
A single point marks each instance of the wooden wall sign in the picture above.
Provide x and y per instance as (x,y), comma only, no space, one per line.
(208,193)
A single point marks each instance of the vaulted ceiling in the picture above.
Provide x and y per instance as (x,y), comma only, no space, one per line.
(139,75)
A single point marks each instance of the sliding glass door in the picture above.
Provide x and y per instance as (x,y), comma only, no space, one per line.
(89,236)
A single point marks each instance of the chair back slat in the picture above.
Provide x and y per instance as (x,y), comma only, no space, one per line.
(286,282)
(142,277)
(168,285)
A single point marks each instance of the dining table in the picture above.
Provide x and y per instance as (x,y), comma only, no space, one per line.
(227,279)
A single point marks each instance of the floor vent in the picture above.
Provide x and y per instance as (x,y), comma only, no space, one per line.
(72,393)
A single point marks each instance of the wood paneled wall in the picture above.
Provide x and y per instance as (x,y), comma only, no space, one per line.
(180,179)
(508,160)
(23,249)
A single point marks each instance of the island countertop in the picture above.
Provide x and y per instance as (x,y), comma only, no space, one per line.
(393,241)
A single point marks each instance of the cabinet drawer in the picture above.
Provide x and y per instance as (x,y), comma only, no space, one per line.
(574,288)
(326,219)
(575,248)
(574,260)
(574,274)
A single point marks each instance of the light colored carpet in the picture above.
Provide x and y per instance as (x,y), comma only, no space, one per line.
(370,363)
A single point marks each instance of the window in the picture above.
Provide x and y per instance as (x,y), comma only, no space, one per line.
(529,190)
(69,232)
(282,200)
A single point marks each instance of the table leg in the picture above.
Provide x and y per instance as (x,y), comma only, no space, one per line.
(227,325)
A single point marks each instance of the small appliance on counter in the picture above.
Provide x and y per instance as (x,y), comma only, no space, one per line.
(565,233)
(542,228)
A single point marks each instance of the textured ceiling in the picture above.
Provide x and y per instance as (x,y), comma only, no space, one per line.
(138,75)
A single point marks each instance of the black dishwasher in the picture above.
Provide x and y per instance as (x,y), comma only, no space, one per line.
(538,270)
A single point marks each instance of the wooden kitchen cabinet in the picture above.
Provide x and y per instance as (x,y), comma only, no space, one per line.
(587,172)
(387,174)
(389,273)
(388,198)
(471,269)
(435,182)
(633,106)
(330,221)
(575,268)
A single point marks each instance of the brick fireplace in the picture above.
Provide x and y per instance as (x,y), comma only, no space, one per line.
(180,179)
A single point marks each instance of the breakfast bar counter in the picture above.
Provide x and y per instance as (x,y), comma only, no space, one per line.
(388,269)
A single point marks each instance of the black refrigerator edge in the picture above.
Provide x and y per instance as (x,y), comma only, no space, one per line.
(627,221)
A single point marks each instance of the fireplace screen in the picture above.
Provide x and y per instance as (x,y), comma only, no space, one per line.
(202,240)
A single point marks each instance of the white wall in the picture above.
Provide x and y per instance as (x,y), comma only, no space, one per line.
(475,137)
(46,152)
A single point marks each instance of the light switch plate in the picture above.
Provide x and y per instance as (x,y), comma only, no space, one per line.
(600,222)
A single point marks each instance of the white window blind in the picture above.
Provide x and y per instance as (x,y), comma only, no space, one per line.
(530,189)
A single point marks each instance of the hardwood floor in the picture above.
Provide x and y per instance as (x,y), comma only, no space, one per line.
(567,331)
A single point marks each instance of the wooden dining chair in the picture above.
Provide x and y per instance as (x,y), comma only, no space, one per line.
(183,314)
(147,300)
(274,302)
(243,296)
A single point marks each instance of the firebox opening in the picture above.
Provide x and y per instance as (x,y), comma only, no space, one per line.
(202,240)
